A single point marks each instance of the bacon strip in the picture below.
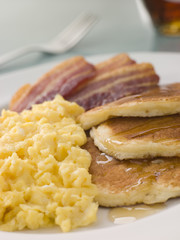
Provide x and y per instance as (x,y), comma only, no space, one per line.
(63,80)
(89,86)
(106,66)
(113,63)
(112,85)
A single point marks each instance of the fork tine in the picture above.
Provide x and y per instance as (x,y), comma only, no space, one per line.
(81,18)
(80,27)
(84,21)
(71,38)
(73,24)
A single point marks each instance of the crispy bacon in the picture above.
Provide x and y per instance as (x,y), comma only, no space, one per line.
(63,80)
(114,63)
(112,85)
(106,66)
(89,86)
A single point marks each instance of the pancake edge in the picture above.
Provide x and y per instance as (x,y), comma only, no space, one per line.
(133,149)
(98,115)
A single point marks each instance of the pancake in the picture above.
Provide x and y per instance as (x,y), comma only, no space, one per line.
(159,101)
(128,138)
(133,181)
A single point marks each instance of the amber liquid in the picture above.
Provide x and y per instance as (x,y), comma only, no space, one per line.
(145,127)
(165,15)
(130,214)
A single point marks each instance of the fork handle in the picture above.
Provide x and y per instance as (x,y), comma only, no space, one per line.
(8,57)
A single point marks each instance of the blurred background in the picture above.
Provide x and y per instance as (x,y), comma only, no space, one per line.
(123,26)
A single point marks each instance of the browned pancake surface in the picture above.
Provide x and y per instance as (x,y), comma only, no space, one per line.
(133,181)
(165,92)
(159,101)
(133,138)
(155,128)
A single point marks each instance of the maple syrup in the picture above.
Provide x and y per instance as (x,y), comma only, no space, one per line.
(123,215)
(143,127)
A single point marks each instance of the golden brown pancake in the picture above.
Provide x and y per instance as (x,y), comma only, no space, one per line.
(133,181)
(128,138)
(159,101)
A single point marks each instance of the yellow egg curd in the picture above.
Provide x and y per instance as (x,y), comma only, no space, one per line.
(44,177)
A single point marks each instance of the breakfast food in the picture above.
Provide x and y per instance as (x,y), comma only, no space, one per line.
(45,155)
(134,138)
(44,178)
(62,79)
(133,181)
(112,85)
(160,101)
(89,86)
(113,63)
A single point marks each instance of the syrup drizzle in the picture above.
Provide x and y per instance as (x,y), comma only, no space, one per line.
(149,126)
(107,159)
(123,215)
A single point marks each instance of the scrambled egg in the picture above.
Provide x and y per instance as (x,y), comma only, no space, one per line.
(44,177)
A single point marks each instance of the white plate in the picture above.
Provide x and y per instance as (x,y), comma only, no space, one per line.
(163,225)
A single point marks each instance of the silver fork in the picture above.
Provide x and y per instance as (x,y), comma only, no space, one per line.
(64,41)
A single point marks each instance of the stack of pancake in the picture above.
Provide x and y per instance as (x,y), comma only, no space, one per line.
(135,147)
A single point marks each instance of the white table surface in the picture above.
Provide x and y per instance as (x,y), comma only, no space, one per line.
(120,28)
